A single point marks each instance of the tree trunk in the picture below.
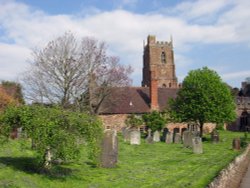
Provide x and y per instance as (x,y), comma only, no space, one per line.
(201,129)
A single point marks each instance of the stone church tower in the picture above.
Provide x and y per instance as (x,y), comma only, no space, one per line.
(158,64)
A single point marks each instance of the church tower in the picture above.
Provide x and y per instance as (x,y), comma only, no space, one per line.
(158,58)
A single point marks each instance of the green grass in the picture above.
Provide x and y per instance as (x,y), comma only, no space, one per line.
(156,165)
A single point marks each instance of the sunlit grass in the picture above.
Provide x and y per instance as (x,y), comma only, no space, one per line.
(155,165)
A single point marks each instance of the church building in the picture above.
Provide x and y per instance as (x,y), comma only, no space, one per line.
(159,84)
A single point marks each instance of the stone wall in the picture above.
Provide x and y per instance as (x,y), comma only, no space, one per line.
(117,121)
(231,176)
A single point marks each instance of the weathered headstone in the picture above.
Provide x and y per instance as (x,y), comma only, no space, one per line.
(236,144)
(156,136)
(187,139)
(109,151)
(126,134)
(19,132)
(135,137)
(169,138)
(164,134)
(197,145)
(149,138)
(176,130)
(177,138)
(182,131)
(215,136)
(123,130)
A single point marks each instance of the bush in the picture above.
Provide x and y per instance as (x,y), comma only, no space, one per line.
(134,121)
(54,130)
(154,120)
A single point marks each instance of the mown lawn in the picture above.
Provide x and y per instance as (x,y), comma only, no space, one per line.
(156,165)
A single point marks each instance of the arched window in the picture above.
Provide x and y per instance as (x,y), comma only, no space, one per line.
(163,57)
(164,85)
(169,85)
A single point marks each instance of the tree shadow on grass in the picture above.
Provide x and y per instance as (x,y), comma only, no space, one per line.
(29,165)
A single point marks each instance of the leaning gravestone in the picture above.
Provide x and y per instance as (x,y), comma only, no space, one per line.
(197,145)
(109,152)
(135,137)
(156,136)
(169,138)
(236,144)
(149,138)
(215,136)
(177,138)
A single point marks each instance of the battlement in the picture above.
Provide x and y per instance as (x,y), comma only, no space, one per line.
(151,40)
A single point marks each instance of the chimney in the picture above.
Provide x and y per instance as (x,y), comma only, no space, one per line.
(153,91)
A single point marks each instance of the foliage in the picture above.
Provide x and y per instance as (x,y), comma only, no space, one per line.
(14,89)
(6,100)
(134,121)
(203,98)
(157,165)
(154,120)
(62,131)
(68,73)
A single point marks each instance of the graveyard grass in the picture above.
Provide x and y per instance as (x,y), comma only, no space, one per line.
(155,165)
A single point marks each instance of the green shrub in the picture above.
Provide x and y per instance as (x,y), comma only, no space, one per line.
(56,130)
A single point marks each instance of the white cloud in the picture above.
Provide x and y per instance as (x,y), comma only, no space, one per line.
(12,60)
(236,75)
(124,31)
(201,8)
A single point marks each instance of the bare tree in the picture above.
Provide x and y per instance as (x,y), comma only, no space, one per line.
(66,71)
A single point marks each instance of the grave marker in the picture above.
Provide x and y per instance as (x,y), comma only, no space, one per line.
(135,137)
(197,145)
(109,152)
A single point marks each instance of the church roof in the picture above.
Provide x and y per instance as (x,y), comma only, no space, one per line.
(128,100)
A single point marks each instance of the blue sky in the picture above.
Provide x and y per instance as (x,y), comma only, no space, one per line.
(214,33)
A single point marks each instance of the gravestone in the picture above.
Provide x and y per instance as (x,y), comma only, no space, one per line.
(109,150)
(236,144)
(197,145)
(182,131)
(156,136)
(164,134)
(177,138)
(215,136)
(123,129)
(135,137)
(187,139)
(169,138)
(176,130)
(149,138)
(19,132)
(126,134)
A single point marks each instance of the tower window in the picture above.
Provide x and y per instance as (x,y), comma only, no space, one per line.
(163,57)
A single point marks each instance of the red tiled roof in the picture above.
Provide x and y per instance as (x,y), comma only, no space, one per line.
(128,100)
